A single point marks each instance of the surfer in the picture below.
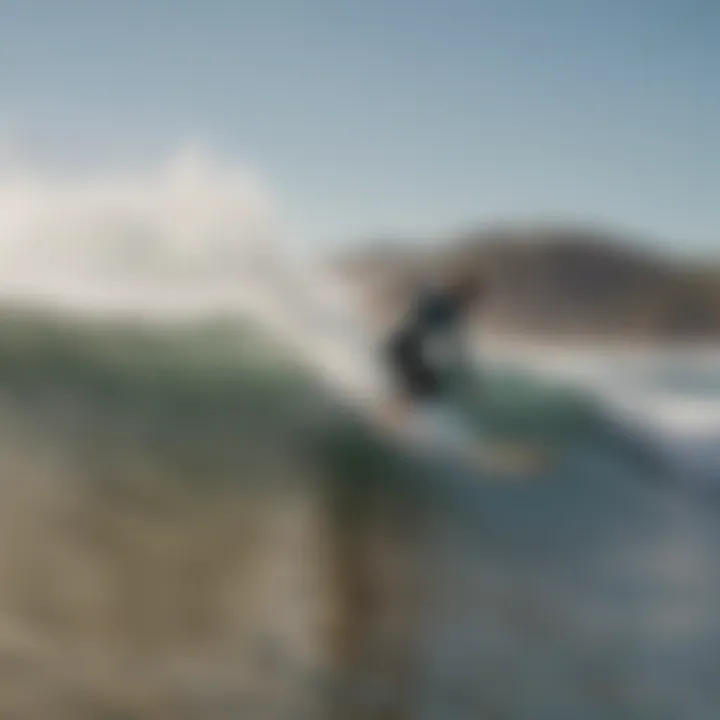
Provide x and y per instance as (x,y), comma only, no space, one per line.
(424,353)
(431,338)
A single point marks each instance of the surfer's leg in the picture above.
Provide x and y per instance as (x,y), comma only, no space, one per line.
(444,428)
(397,411)
(415,383)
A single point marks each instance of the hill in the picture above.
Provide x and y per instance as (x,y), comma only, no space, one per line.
(557,282)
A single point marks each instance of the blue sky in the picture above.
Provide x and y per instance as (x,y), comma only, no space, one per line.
(407,116)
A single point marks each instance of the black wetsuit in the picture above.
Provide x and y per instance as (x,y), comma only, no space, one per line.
(434,316)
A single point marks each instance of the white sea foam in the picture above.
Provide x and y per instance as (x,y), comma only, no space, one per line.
(189,236)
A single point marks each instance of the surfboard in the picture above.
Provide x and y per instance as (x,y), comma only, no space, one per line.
(441,432)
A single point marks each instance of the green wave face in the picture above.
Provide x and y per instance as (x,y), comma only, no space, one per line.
(221,379)
(515,405)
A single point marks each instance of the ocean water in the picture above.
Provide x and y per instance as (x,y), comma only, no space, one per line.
(194,522)
(667,399)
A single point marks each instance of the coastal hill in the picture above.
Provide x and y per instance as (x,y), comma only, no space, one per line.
(556,282)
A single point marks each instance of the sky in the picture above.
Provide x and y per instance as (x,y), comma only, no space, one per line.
(407,117)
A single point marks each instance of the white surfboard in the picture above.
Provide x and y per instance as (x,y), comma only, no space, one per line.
(440,431)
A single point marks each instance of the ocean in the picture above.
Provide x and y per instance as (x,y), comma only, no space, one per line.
(195,525)
(668,398)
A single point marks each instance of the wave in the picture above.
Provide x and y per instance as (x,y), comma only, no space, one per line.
(145,486)
(667,399)
(194,237)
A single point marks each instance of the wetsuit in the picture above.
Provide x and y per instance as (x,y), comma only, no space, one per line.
(432,323)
